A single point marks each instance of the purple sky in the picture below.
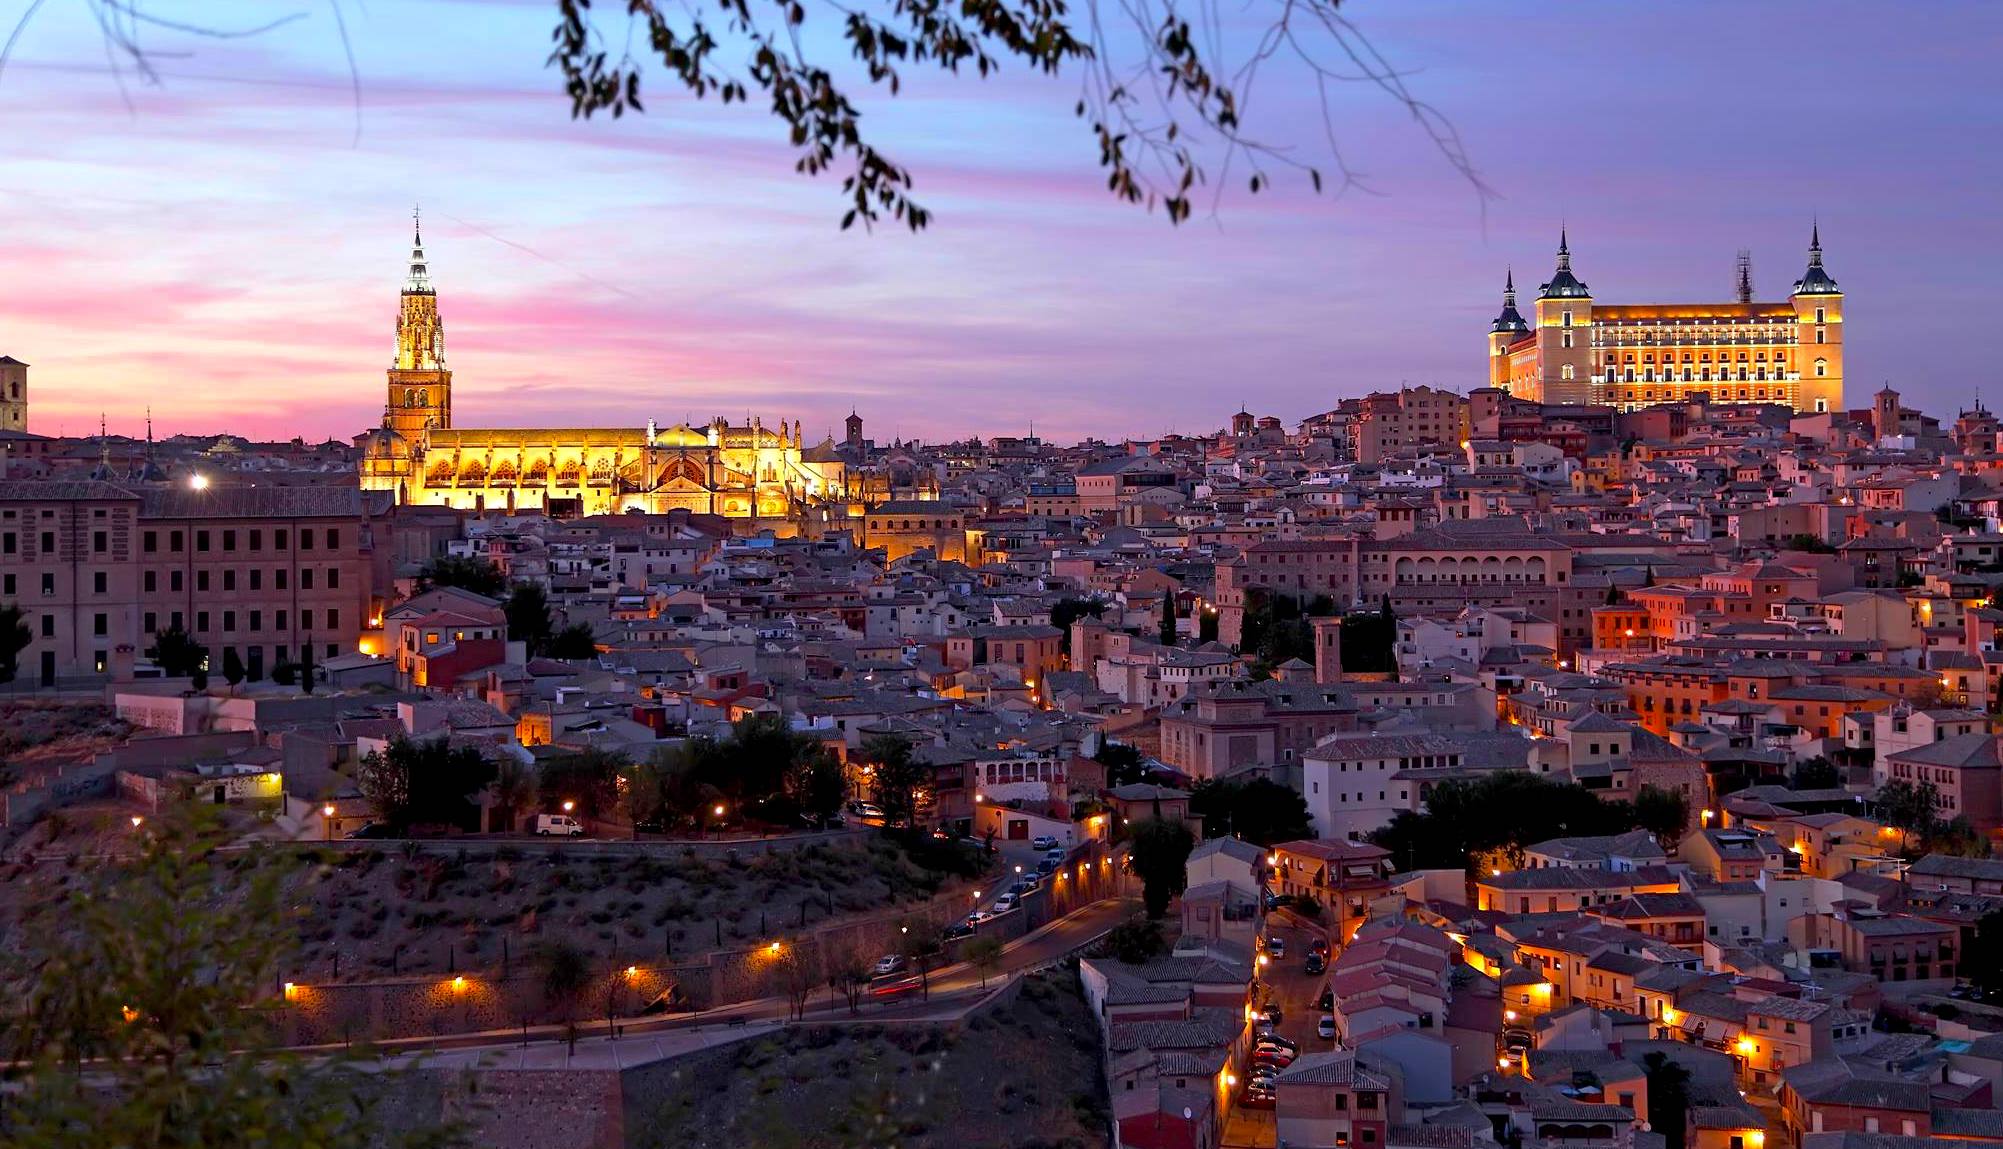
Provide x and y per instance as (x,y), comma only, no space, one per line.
(229,252)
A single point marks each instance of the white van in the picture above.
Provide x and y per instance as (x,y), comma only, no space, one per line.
(562,825)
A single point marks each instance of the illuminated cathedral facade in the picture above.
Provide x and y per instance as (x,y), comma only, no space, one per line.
(749,471)
(1574,349)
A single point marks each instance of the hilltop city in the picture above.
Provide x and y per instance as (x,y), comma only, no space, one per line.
(1603,750)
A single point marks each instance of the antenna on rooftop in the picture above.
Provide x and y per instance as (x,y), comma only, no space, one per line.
(1745,276)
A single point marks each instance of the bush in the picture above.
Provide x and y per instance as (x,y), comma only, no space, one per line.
(1307,907)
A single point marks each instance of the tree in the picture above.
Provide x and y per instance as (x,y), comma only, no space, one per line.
(1135,940)
(1259,810)
(817,783)
(477,575)
(573,643)
(1908,807)
(425,783)
(1984,960)
(588,777)
(984,954)
(176,653)
(1957,837)
(307,675)
(894,777)
(514,791)
(1206,625)
(565,973)
(1167,635)
(233,671)
(1124,764)
(1668,1097)
(156,968)
(1370,641)
(14,638)
(1068,611)
(1817,773)
(1157,853)
(527,611)
(1664,813)
(1498,815)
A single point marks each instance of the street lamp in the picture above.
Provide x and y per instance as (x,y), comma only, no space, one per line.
(136,820)
(327,820)
(568,805)
(198,482)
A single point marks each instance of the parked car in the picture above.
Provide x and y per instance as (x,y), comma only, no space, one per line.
(886,965)
(1256,1097)
(371,831)
(1270,1014)
(558,825)
(1317,964)
(956,931)
(1273,1058)
(1046,866)
(1276,945)
(1326,1026)
(865,809)
(1271,1041)
(1043,842)
(1003,904)
(822,821)
(1319,947)
(977,917)
(1327,1000)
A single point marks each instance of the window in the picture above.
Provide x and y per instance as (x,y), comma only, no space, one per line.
(1821,368)
(229,620)
(281,624)
(305,578)
(151,623)
(256,578)
(229,540)
(174,541)
(100,542)
(100,624)
(278,579)
(48,626)
(48,541)
(202,620)
(48,583)
(9,544)
(98,582)
(149,542)
(229,579)
(278,540)
(257,540)
(333,578)
(305,620)
(305,538)
(201,580)
(256,621)
(201,540)
(334,538)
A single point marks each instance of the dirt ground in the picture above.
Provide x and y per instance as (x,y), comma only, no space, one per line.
(1024,1076)
(384,911)
(38,734)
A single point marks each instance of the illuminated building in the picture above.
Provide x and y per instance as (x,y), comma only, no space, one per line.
(1574,350)
(740,471)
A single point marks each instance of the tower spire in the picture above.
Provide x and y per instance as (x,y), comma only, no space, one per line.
(418,282)
(1564,249)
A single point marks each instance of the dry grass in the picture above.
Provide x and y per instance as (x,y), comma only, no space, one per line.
(1025,1075)
(37,735)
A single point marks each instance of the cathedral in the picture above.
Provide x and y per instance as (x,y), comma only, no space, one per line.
(1574,349)
(748,471)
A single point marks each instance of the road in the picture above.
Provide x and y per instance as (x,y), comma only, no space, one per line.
(953,989)
(1295,991)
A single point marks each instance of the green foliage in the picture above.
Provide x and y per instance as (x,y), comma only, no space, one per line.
(233,671)
(895,777)
(589,777)
(527,610)
(1259,810)
(1984,961)
(477,575)
(1158,851)
(573,643)
(1275,628)
(1124,764)
(1505,812)
(1134,941)
(761,762)
(1370,641)
(1206,625)
(1668,1097)
(176,653)
(14,638)
(308,677)
(1664,813)
(1909,807)
(984,954)
(425,783)
(1817,773)
(1167,636)
(1809,544)
(156,970)
(1070,610)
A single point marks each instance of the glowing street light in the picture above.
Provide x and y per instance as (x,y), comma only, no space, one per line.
(568,805)
(198,482)
(137,820)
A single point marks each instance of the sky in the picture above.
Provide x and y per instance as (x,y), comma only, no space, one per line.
(226,246)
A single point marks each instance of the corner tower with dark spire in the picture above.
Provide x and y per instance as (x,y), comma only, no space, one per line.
(420,385)
(1818,315)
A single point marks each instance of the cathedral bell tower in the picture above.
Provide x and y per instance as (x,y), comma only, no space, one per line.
(420,385)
